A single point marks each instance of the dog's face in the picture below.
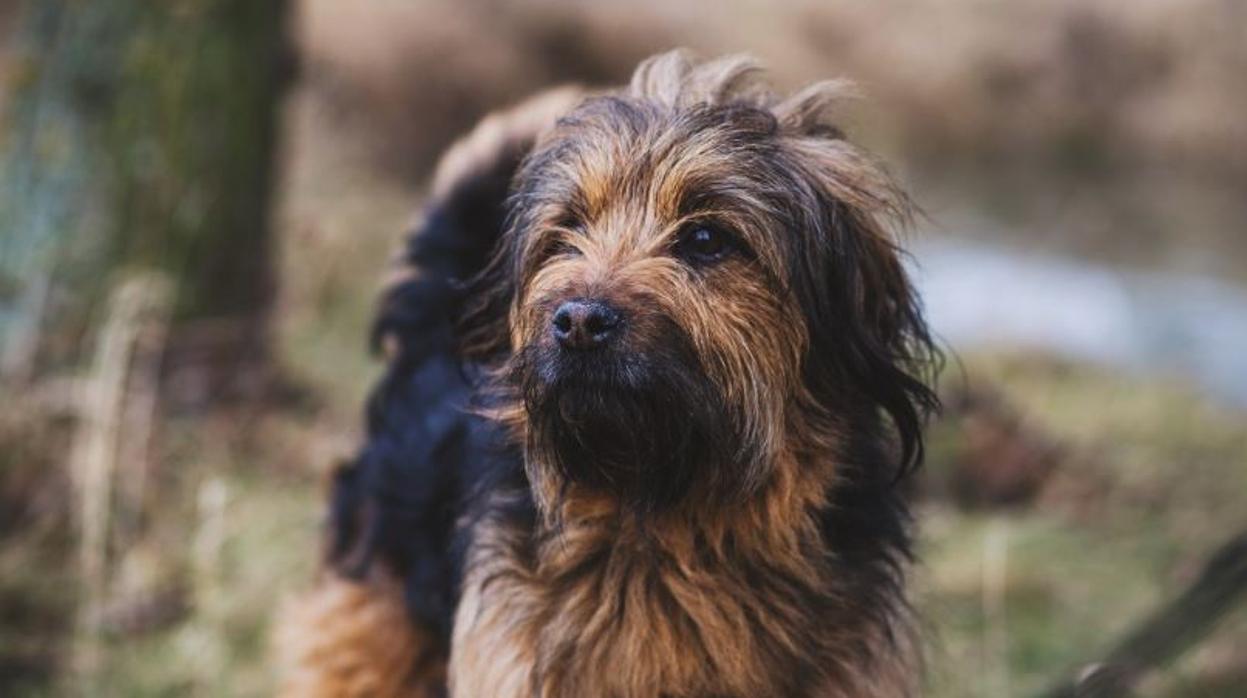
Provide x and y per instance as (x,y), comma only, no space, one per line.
(699,285)
(657,342)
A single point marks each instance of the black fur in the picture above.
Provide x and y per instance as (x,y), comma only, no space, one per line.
(642,423)
(429,457)
(429,460)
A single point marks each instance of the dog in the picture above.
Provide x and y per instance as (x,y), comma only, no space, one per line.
(655,372)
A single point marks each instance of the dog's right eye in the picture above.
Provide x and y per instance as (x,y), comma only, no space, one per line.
(701,244)
(563,248)
(555,244)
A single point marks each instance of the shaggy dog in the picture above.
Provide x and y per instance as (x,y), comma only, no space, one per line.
(654,371)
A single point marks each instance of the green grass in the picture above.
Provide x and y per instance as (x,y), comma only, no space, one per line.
(268,551)
(1169,486)
(1153,479)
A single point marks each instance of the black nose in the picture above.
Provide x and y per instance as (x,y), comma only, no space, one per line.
(585,324)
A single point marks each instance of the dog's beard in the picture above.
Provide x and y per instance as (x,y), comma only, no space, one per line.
(647,427)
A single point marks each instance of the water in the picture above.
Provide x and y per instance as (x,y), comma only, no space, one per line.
(979,295)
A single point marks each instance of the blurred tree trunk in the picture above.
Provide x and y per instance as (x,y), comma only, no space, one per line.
(140,136)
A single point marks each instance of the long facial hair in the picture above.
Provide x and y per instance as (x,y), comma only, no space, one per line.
(643,425)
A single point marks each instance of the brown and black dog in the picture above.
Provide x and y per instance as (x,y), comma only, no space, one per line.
(655,369)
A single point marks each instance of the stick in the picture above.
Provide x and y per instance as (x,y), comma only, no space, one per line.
(1170,631)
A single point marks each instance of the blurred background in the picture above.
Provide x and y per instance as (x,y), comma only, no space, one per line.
(198,197)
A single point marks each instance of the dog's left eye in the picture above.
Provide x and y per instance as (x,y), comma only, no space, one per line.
(700,243)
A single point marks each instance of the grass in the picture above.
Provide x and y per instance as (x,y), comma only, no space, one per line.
(221,648)
(1153,479)
(1076,573)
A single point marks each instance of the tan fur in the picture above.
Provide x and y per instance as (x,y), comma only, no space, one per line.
(666,611)
(666,607)
(597,601)
(348,639)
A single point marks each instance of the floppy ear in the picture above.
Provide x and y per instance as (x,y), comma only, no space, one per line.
(868,340)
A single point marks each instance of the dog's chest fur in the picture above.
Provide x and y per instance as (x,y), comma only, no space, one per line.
(602,609)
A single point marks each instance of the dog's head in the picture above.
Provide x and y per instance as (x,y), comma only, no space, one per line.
(698,280)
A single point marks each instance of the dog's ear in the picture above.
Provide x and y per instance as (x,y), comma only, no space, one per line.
(869,342)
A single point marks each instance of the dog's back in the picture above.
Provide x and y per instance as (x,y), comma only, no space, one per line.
(426,448)
(394,548)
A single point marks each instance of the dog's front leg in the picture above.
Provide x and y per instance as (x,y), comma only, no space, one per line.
(354,639)
(488,656)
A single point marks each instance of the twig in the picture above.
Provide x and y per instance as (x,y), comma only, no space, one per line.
(995,587)
(94,456)
(1170,631)
(210,535)
(142,393)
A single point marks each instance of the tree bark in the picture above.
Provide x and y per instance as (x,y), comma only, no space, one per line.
(140,136)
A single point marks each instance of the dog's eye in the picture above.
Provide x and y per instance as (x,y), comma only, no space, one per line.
(551,246)
(560,248)
(700,243)
(568,221)
(560,244)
